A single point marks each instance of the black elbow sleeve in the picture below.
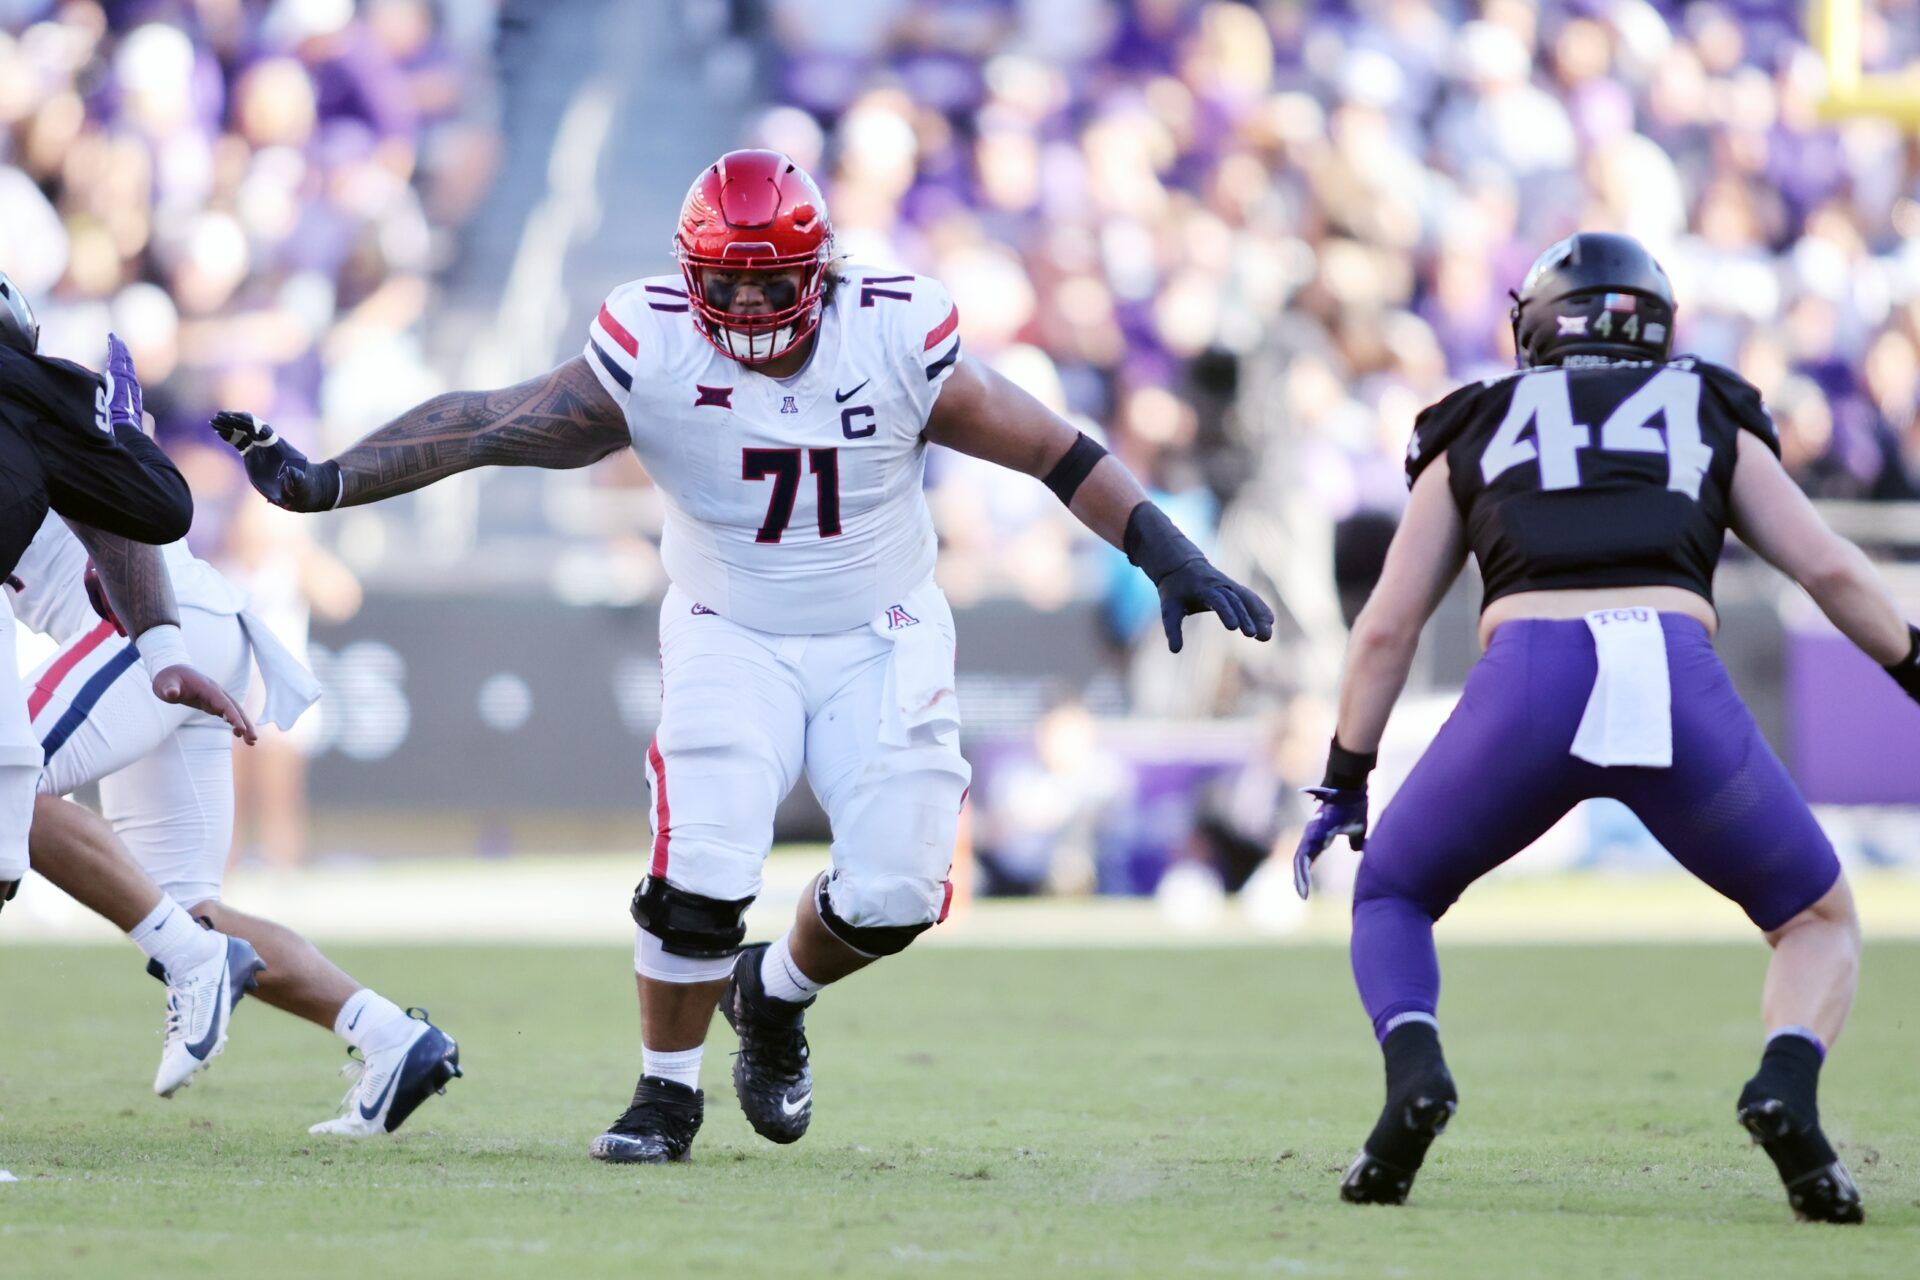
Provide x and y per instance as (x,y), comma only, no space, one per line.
(1066,475)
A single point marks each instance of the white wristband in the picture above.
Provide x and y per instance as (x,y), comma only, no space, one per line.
(162,647)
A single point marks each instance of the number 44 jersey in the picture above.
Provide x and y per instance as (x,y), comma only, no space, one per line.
(1601,475)
(794,505)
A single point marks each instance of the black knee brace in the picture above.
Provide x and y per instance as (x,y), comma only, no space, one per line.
(871,941)
(688,924)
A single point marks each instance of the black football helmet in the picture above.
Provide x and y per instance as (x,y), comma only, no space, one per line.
(1593,296)
(18,325)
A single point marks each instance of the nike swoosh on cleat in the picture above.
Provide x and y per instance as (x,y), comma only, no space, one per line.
(841,397)
(793,1108)
(381,1101)
(204,1046)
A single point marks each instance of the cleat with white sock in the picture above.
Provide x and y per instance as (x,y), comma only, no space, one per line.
(394,1081)
(200,1003)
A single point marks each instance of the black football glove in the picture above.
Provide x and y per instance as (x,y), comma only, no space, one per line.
(1187,581)
(280,472)
(1906,672)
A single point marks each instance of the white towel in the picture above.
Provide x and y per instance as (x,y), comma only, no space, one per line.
(291,688)
(1629,716)
(919,687)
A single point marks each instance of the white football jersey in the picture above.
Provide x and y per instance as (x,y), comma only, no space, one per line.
(54,602)
(793,505)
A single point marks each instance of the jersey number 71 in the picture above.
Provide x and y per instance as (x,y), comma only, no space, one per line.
(783,467)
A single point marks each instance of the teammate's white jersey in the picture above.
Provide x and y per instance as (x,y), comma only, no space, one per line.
(793,505)
(53,600)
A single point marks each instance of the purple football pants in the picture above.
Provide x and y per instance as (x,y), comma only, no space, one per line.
(1498,774)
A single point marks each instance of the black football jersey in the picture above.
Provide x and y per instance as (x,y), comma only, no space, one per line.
(59,449)
(1603,475)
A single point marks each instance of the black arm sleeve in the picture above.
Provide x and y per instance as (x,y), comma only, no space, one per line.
(110,477)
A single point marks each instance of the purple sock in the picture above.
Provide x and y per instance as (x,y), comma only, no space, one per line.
(1805,1033)
(1394,964)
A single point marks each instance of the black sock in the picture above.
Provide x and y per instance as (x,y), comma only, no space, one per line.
(1790,1071)
(1415,1070)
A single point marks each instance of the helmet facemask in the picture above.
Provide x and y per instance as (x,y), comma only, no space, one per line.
(792,286)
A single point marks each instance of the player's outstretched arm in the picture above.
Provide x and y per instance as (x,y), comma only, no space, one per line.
(981,413)
(1774,517)
(129,587)
(561,419)
(1424,558)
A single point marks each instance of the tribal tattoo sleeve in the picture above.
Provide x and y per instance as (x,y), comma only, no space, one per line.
(561,419)
(135,577)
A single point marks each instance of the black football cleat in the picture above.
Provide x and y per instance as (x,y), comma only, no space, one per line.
(1819,1188)
(1413,1124)
(657,1129)
(1421,1100)
(770,1072)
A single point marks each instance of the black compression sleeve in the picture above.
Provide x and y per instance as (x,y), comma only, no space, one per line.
(1348,770)
(1074,466)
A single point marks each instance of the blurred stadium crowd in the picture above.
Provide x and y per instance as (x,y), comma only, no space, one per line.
(1250,241)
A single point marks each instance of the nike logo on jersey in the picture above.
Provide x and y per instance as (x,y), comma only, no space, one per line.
(841,397)
(794,1107)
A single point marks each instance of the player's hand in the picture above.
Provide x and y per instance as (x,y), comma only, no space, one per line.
(97,597)
(1198,587)
(1342,812)
(186,686)
(280,472)
(1906,672)
(128,402)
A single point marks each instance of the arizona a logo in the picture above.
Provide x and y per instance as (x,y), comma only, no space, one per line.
(898,617)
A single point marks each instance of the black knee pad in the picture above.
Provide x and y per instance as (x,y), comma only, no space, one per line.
(872,941)
(688,924)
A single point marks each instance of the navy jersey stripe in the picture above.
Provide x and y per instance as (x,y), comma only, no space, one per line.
(939,366)
(660,288)
(884,279)
(620,375)
(90,693)
(662,306)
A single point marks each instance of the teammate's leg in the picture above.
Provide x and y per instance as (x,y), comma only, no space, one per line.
(728,749)
(206,972)
(1730,814)
(1489,785)
(173,807)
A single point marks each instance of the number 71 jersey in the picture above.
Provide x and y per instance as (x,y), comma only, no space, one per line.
(1604,475)
(794,505)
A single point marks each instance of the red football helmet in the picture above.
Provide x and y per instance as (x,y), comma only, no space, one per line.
(751,212)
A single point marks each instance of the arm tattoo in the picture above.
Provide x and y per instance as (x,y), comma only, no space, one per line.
(563,418)
(135,577)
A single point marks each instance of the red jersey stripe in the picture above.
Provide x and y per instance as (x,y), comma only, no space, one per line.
(945,327)
(617,331)
(66,662)
(662,815)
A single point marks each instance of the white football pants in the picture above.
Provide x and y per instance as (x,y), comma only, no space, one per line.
(871,716)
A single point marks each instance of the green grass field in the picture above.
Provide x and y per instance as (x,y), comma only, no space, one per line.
(978,1112)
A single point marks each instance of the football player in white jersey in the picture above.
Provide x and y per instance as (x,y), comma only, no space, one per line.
(166,788)
(783,401)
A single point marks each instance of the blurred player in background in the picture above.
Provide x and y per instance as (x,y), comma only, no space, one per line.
(166,786)
(782,400)
(70,446)
(1594,487)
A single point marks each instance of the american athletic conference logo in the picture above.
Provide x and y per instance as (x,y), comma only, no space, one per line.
(898,617)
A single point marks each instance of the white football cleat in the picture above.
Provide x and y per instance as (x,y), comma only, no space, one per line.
(393,1082)
(200,1003)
